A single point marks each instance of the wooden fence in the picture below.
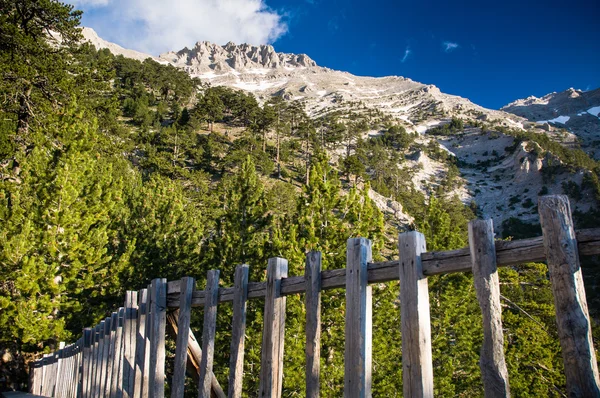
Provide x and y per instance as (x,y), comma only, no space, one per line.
(124,356)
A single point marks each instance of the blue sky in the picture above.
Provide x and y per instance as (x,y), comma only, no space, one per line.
(489,52)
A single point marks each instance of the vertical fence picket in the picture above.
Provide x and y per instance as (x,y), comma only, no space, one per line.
(357,376)
(105,352)
(55,369)
(208,333)
(572,316)
(75,387)
(417,366)
(59,375)
(116,384)
(238,330)
(33,377)
(187,286)
(312,276)
(140,341)
(129,343)
(271,365)
(87,351)
(147,347)
(487,286)
(114,321)
(98,360)
(43,379)
(158,295)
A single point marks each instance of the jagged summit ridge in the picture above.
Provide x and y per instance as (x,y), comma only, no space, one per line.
(206,57)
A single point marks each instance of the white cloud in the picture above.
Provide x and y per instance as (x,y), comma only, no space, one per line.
(407,53)
(449,46)
(155,26)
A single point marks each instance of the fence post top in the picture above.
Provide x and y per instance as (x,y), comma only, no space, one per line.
(359,240)
(410,233)
(482,221)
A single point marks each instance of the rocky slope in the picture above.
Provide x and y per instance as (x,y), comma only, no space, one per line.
(92,37)
(574,110)
(501,175)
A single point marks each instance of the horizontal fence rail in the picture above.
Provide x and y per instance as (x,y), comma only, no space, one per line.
(508,253)
(124,355)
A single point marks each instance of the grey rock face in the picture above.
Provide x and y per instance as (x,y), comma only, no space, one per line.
(205,57)
(574,110)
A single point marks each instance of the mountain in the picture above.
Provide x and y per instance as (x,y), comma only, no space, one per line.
(502,156)
(575,110)
(90,36)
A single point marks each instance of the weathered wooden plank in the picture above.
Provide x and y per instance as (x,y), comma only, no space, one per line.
(75,367)
(98,361)
(86,362)
(572,316)
(63,376)
(60,371)
(508,253)
(271,365)
(105,352)
(238,330)
(357,373)
(487,286)
(69,372)
(116,385)
(194,355)
(33,377)
(312,275)
(208,333)
(44,379)
(129,343)
(158,307)
(77,387)
(140,344)
(181,351)
(114,322)
(417,367)
(147,351)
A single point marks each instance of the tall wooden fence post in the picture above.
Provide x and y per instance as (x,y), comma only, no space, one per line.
(158,321)
(114,321)
(358,346)
(271,361)
(129,343)
(487,286)
(116,388)
(312,276)
(208,333)
(140,344)
(572,316)
(238,330)
(417,366)
(185,306)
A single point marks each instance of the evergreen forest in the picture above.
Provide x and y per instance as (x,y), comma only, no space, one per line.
(114,172)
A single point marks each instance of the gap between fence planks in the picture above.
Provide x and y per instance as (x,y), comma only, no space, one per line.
(507,253)
(194,355)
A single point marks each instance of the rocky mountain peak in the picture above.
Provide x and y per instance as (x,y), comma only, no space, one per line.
(206,57)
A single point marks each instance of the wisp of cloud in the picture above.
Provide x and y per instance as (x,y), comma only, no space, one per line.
(155,26)
(407,52)
(449,46)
